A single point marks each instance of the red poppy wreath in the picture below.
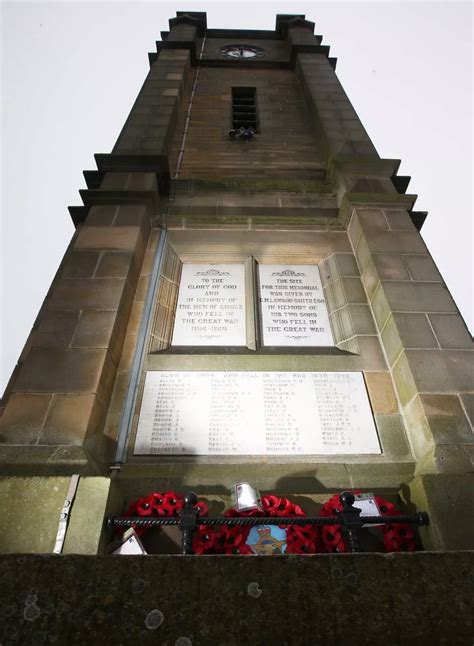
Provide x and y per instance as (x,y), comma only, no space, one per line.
(397,537)
(294,539)
(168,504)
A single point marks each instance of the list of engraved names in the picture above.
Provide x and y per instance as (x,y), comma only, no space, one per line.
(255,413)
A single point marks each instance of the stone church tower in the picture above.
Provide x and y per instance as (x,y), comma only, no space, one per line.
(247,297)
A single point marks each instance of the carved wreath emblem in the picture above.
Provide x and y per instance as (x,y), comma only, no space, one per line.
(288,272)
(212,272)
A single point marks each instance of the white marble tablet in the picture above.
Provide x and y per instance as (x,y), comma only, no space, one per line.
(293,307)
(255,413)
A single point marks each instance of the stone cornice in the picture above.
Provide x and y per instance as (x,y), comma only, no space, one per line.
(383,200)
(113,163)
(195,19)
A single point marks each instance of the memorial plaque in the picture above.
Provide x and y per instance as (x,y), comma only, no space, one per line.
(293,307)
(255,413)
(211,305)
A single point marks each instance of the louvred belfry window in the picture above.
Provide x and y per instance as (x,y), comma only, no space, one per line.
(244,108)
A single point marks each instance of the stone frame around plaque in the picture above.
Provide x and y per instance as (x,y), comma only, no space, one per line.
(168,292)
(346,300)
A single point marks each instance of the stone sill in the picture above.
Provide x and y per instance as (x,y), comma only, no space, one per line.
(347,598)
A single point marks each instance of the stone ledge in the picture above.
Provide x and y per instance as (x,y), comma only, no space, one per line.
(234,600)
(46,460)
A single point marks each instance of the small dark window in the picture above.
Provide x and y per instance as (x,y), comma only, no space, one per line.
(244,108)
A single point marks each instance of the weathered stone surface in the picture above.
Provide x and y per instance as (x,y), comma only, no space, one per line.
(354,230)
(372,219)
(418,430)
(82,370)
(442,405)
(380,306)
(381,393)
(85,531)
(422,267)
(80,264)
(114,264)
(55,329)
(451,331)
(418,297)
(406,331)
(30,509)
(403,379)
(379,475)
(446,459)
(29,513)
(114,181)
(222,600)
(392,436)
(23,418)
(467,400)
(371,353)
(331,110)
(360,317)
(362,252)
(70,418)
(346,264)
(445,417)
(353,290)
(101,215)
(370,278)
(122,238)
(390,266)
(134,214)
(395,241)
(94,329)
(156,101)
(442,371)
(79,293)
(449,501)
(281,111)
(44,460)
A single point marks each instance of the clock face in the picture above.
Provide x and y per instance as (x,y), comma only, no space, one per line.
(241,52)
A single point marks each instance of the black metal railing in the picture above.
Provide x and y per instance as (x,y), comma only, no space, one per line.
(188,520)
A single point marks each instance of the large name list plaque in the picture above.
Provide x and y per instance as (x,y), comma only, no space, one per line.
(255,413)
(293,307)
(211,305)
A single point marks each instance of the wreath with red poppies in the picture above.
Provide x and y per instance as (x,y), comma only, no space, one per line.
(300,539)
(397,537)
(226,539)
(159,504)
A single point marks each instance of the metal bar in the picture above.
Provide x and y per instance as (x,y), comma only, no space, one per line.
(188,115)
(65,512)
(125,425)
(245,521)
(351,521)
(188,522)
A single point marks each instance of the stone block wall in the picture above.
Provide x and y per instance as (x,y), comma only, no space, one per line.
(285,147)
(111,426)
(57,401)
(426,343)
(151,122)
(335,119)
